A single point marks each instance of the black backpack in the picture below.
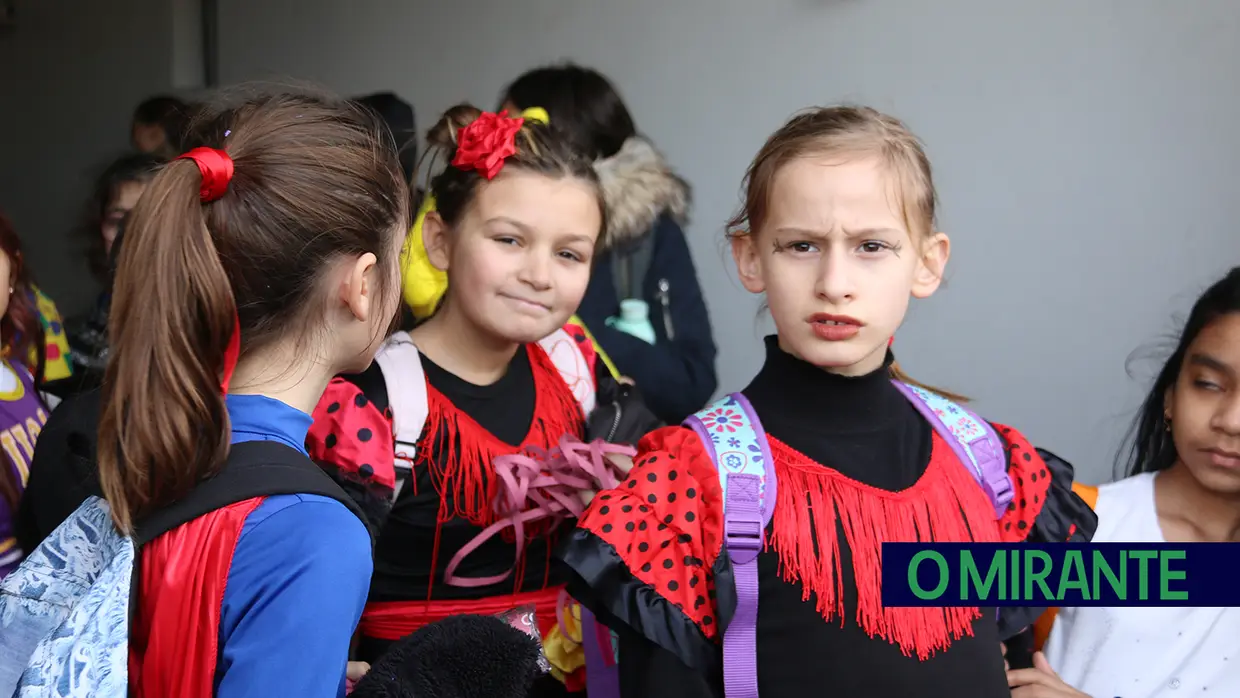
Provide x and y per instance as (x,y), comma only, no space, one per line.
(63,474)
(253,469)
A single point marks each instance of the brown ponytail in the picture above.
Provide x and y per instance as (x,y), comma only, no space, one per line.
(172,312)
(315,179)
(898,373)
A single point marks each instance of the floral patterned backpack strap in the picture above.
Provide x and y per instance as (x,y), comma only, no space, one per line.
(736,442)
(971,438)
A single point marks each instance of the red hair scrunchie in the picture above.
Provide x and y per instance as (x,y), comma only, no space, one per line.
(216,167)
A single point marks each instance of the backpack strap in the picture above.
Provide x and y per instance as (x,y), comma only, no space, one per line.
(405,381)
(736,442)
(629,266)
(571,362)
(253,469)
(601,650)
(599,353)
(971,438)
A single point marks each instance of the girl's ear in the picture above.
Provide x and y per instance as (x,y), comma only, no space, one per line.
(748,265)
(437,240)
(358,289)
(931,264)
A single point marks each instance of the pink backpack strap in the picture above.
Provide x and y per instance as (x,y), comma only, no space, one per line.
(573,365)
(971,438)
(405,383)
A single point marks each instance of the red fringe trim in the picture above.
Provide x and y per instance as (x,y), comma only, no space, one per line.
(459,453)
(945,505)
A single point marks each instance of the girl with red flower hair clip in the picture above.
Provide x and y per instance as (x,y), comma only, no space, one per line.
(465,441)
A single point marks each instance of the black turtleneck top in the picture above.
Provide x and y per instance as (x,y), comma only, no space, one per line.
(865,429)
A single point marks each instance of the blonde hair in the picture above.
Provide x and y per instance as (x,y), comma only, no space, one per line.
(847,133)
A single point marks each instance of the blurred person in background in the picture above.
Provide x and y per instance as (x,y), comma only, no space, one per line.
(644,304)
(159,124)
(116,192)
(22,410)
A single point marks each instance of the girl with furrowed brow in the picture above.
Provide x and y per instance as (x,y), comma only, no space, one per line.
(785,491)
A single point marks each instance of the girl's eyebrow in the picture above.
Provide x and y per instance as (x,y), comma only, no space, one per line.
(871,232)
(1207,361)
(578,237)
(511,221)
(822,235)
(803,232)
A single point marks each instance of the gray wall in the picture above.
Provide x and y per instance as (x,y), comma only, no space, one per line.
(1086,152)
(70,76)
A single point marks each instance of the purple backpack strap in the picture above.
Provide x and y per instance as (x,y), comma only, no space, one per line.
(974,442)
(734,438)
(602,674)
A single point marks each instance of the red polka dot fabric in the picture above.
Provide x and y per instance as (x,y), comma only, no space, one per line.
(666,522)
(1031,483)
(351,434)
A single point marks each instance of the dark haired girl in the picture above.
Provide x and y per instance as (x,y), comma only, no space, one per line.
(496,370)
(116,192)
(1183,486)
(159,124)
(22,412)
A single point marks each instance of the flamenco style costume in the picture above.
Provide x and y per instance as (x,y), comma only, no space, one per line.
(857,465)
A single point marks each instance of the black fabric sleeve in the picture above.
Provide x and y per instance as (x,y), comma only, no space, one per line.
(1044,509)
(649,671)
(63,473)
(622,416)
(1065,517)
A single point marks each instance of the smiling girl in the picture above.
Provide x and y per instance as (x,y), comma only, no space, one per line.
(492,373)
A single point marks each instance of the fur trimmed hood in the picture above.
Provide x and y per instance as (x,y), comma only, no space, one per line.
(638,188)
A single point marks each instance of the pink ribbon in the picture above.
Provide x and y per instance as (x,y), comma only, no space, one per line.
(538,484)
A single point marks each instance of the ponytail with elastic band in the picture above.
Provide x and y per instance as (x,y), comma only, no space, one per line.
(898,374)
(216,167)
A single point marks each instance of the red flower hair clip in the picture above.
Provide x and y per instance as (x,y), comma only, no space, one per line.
(486,143)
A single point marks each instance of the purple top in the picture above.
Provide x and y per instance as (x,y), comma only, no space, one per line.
(22,416)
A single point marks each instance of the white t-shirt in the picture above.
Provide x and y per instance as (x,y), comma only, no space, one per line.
(9,382)
(1144,652)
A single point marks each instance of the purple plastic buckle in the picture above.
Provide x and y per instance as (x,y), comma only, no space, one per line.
(743,539)
(744,534)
